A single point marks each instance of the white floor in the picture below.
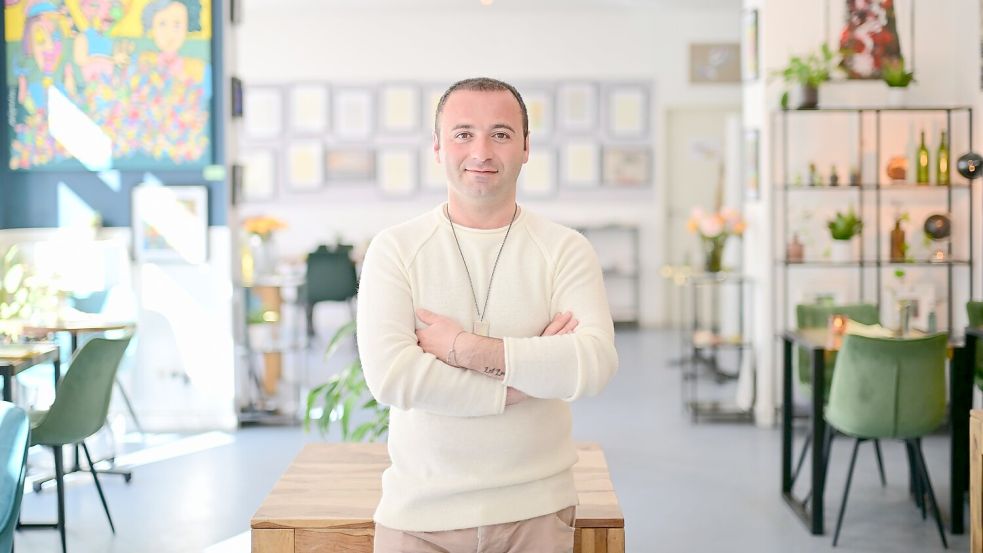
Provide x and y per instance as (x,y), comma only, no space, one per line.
(682,487)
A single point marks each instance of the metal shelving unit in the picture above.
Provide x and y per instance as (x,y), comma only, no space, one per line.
(874,192)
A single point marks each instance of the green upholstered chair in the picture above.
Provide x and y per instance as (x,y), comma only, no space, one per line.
(330,277)
(15,438)
(79,411)
(817,316)
(889,388)
(975,311)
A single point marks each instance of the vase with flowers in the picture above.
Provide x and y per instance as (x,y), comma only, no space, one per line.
(714,228)
(259,252)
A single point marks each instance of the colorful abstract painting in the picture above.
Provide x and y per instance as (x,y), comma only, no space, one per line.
(869,38)
(113,84)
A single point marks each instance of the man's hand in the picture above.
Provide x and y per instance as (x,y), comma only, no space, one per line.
(439,335)
(562,323)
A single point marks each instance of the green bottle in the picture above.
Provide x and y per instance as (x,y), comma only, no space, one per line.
(922,158)
(942,167)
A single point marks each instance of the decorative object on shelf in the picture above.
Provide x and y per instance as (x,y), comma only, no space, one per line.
(814,178)
(897,169)
(921,159)
(806,73)
(938,228)
(842,228)
(854,176)
(259,252)
(969,165)
(795,250)
(897,80)
(714,229)
(942,162)
(834,178)
(899,248)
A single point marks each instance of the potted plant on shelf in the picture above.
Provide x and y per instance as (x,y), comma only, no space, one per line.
(805,74)
(897,80)
(714,229)
(343,395)
(842,228)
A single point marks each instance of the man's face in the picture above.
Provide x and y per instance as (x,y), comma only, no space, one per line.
(481,145)
(170,27)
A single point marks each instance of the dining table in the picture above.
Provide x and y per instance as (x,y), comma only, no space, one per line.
(818,342)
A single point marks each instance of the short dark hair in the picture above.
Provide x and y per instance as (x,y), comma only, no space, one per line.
(482,84)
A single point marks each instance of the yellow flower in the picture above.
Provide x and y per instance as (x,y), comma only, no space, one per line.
(262,225)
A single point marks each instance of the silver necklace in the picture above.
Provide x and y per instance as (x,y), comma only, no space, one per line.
(480,327)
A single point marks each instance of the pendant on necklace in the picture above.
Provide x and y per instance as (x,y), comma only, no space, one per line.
(480,328)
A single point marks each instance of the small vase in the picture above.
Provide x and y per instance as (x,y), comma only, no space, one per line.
(896,96)
(807,97)
(263,252)
(713,254)
(841,251)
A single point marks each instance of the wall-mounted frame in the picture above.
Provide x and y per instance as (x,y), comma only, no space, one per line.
(576,107)
(259,176)
(308,108)
(399,106)
(236,99)
(627,166)
(870,34)
(352,113)
(751,170)
(714,63)
(627,111)
(431,97)
(749,45)
(539,107)
(263,112)
(170,224)
(581,164)
(305,165)
(397,172)
(538,176)
(432,175)
(349,165)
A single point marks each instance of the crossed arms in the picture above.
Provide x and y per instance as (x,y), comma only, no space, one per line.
(408,369)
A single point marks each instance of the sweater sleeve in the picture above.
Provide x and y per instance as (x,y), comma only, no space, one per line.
(571,365)
(398,372)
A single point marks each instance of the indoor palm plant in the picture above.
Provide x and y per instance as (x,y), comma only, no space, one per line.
(806,73)
(343,395)
(842,228)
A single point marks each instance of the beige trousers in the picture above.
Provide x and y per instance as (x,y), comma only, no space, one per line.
(552,533)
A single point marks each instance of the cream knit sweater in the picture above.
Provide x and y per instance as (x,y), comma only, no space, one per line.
(460,457)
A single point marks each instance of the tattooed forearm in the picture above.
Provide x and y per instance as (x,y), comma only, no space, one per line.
(482,354)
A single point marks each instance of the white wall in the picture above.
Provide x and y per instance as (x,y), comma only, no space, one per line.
(947,65)
(315,41)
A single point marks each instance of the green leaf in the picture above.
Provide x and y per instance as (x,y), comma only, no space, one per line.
(348,329)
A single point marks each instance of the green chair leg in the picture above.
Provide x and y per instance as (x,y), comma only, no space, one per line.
(880,462)
(95,476)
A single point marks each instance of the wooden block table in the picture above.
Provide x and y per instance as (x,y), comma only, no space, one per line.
(325,500)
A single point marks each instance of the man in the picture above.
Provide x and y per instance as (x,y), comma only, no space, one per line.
(466,328)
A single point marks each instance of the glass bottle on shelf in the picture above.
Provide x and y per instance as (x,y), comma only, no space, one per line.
(921,174)
(942,165)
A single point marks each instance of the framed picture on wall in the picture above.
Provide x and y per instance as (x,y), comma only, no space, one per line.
(263,112)
(627,166)
(431,97)
(715,63)
(309,108)
(304,165)
(397,172)
(627,111)
(539,106)
(576,107)
(400,108)
(352,113)
(749,45)
(170,224)
(538,176)
(432,175)
(871,35)
(581,164)
(752,179)
(259,175)
(351,165)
